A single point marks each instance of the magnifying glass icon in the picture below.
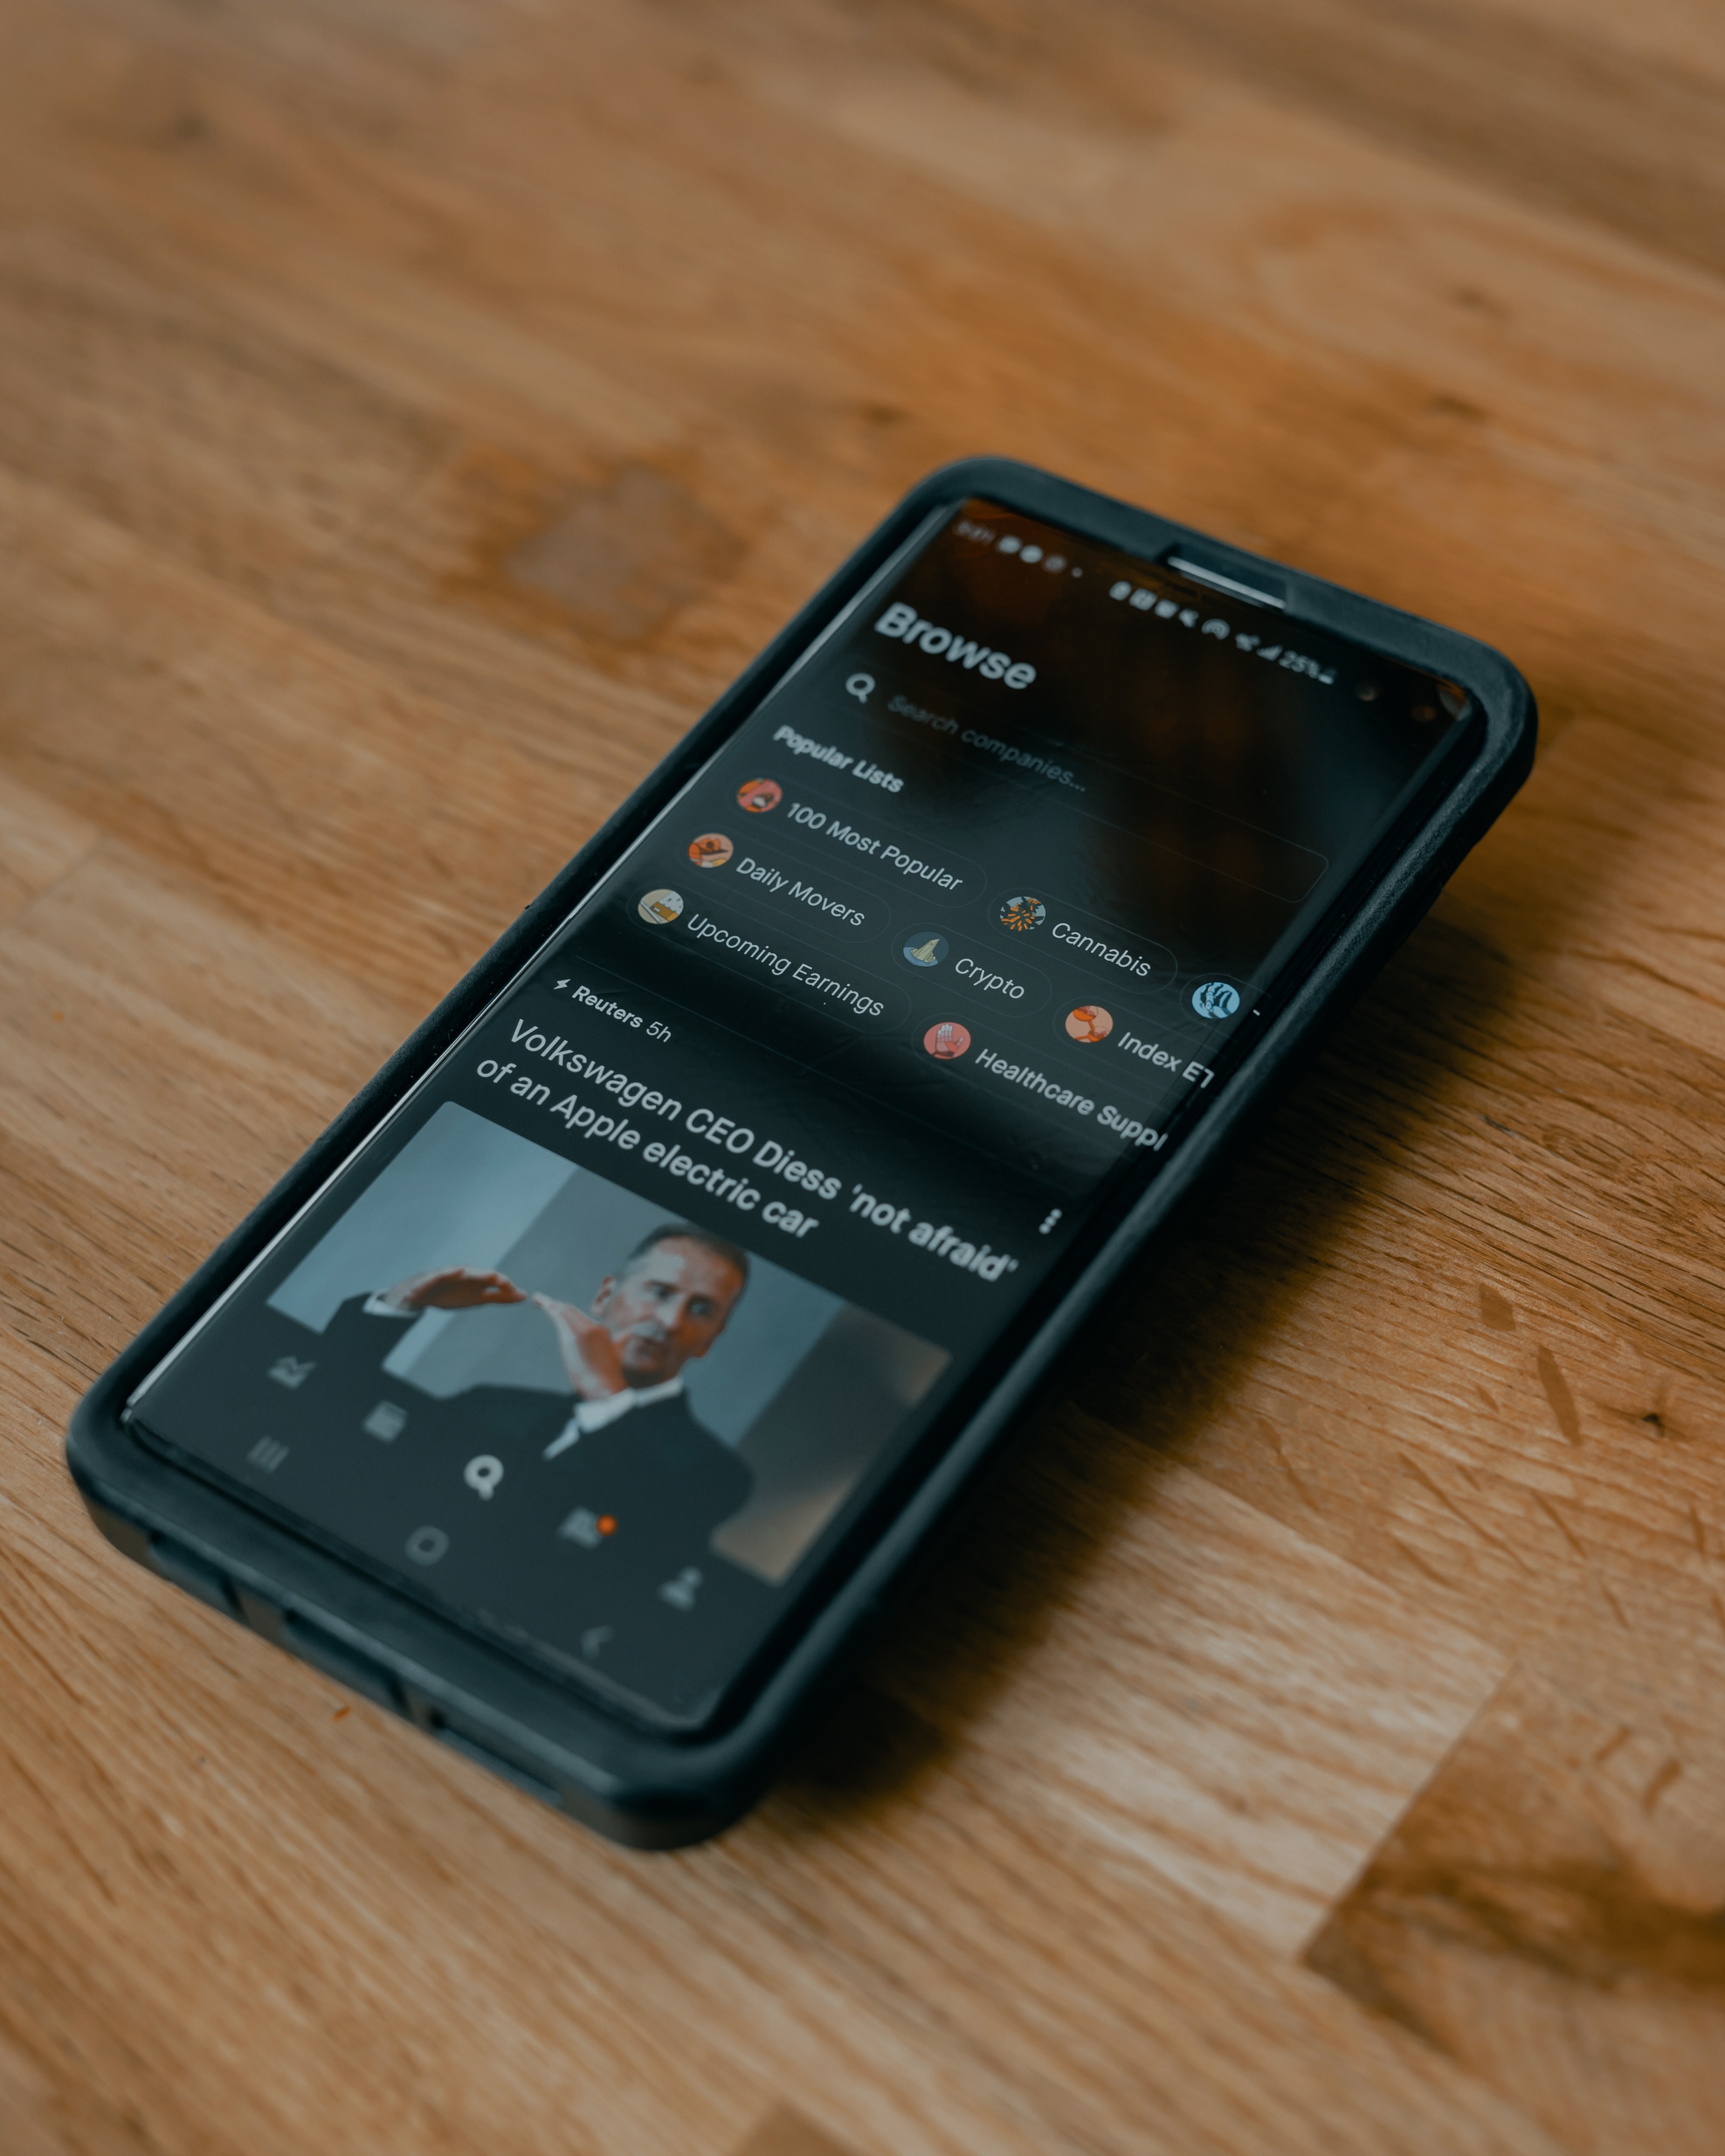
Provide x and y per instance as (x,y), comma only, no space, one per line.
(483,1474)
(861,686)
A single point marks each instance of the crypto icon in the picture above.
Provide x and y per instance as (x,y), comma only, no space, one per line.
(946,1039)
(1215,999)
(924,946)
(1023,914)
(758,795)
(661,906)
(711,850)
(1090,1022)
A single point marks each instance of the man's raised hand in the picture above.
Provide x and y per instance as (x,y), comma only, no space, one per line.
(454,1287)
(589,1353)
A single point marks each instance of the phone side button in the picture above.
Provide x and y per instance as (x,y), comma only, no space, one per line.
(346,1664)
(195,1575)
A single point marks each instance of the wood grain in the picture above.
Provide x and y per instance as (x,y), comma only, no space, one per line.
(410,415)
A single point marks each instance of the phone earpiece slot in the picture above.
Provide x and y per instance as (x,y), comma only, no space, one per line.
(1238,582)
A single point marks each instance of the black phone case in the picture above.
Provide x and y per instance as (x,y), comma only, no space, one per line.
(654,1791)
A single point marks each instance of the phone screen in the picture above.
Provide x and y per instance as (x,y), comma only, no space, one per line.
(622,1321)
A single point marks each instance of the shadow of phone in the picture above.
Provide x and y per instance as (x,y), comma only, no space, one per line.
(1152,1376)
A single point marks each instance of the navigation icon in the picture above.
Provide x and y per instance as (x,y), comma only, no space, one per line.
(680,1592)
(426,1545)
(483,1473)
(589,1529)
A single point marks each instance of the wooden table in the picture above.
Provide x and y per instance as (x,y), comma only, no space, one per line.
(411,413)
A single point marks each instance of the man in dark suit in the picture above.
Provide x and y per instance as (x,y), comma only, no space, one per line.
(616,1473)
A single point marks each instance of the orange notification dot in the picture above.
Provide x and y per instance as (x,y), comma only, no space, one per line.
(608,1526)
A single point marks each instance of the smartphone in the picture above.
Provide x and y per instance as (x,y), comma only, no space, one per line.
(587,1390)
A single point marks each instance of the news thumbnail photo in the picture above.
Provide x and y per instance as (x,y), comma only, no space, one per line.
(504,1265)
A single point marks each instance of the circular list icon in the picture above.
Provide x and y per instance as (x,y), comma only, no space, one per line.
(924,946)
(659,907)
(1022,913)
(1090,1022)
(758,795)
(711,850)
(946,1041)
(1215,999)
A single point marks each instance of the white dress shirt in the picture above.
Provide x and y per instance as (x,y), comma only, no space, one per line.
(598,1414)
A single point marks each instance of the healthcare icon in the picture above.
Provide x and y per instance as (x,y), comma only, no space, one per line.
(659,907)
(925,946)
(758,795)
(711,850)
(1090,1022)
(1215,999)
(1022,914)
(946,1041)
